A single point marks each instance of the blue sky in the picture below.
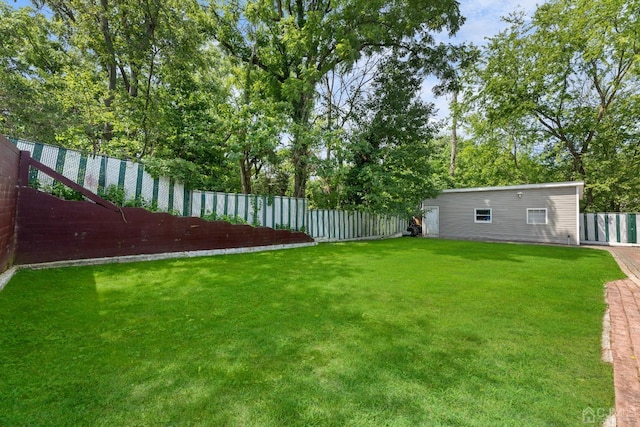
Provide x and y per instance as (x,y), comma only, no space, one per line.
(18,3)
(483,17)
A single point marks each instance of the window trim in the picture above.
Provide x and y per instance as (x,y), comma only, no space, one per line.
(475,216)
(546,216)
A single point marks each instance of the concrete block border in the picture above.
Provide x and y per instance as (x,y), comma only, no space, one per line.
(8,274)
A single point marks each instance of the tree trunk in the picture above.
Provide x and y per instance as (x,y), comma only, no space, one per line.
(454,134)
(301,146)
(245,160)
(300,155)
(245,173)
(588,191)
(107,133)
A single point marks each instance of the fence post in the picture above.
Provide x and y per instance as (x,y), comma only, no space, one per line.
(586,231)
(186,201)
(324,230)
(631,228)
(23,169)
(82,170)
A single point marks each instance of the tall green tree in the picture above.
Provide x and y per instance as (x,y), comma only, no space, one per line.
(253,124)
(128,50)
(564,84)
(341,95)
(30,60)
(461,58)
(191,125)
(298,42)
(392,144)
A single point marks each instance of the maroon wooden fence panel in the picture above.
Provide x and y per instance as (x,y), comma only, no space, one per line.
(51,229)
(9,161)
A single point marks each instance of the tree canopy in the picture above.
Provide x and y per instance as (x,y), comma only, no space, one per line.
(325,99)
(298,43)
(557,97)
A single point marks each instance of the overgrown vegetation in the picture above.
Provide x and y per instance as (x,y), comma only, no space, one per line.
(117,196)
(233,219)
(399,332)
(57,189)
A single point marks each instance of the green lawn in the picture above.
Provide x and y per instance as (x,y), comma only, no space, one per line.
(396,332)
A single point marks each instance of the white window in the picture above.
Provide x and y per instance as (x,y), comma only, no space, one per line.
(536,215)
(482,215)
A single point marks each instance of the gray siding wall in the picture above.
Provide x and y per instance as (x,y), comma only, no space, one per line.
(509,215)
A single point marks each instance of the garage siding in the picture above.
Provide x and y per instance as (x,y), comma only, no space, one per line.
(509,214)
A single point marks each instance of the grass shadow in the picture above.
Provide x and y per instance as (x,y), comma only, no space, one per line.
(49,327)
(506,251)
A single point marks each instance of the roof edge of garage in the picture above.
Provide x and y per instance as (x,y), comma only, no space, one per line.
(579,184)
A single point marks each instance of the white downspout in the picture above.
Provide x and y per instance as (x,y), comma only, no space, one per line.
(578,215)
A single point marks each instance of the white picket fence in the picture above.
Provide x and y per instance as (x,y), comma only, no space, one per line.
(97,173)
(609,228)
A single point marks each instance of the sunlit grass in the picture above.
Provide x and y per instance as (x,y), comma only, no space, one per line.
(398,332)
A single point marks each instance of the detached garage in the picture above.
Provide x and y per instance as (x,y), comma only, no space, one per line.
(541,213)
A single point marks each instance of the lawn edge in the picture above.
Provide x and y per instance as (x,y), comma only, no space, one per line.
(145,257)
(6,276)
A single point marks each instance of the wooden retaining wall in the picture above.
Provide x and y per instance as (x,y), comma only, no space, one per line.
(97,173)
(9,160)
(50,229)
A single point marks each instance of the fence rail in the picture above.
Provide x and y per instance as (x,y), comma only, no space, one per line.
(609,228)
(97,173)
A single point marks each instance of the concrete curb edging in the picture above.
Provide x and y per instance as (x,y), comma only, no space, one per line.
(607,356)
(8,274)
(358,239)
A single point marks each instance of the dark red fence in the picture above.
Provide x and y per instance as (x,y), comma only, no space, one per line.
(9,161)
(51,229)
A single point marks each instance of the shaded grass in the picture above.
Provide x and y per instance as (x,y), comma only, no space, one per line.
(398,332)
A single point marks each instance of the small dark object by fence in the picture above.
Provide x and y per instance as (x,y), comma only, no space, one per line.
(415,227)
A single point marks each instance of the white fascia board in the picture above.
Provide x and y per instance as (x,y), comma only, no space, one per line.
(577,184)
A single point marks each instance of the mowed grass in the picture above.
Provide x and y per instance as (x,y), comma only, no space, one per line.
(397,332)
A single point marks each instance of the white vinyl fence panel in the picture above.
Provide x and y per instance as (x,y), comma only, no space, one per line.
(334,225)
(609,228)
